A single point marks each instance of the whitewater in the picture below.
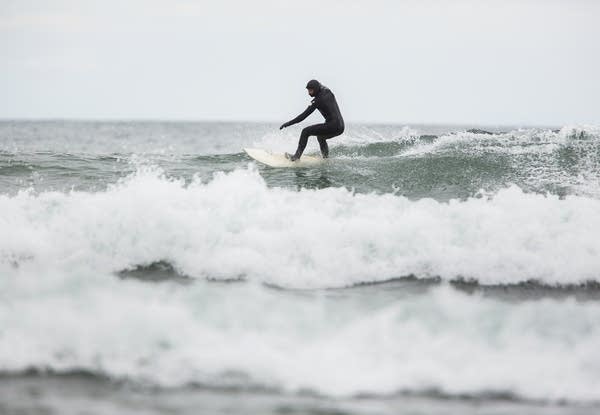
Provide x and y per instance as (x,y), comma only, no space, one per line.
(421,262)
(310,238)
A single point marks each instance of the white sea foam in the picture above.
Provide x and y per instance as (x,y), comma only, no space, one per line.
(520,141)
(235,226)
(61,307)
(245,334)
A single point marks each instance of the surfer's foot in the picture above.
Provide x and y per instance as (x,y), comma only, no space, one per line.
(292,157)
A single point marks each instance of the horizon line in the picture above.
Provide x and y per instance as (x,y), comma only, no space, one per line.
(231,121)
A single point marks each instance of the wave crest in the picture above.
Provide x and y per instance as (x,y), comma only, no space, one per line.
(312,238)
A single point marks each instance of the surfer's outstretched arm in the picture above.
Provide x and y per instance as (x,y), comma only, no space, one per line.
(311,108)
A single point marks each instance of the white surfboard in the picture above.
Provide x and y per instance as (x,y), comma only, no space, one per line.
(279,160)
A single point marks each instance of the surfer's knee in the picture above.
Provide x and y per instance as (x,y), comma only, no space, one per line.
(305,132)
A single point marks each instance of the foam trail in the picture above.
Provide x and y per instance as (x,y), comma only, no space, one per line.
(312,238)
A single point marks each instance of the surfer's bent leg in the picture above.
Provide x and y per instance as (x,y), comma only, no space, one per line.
(323,144)
(323,132)
(302,142)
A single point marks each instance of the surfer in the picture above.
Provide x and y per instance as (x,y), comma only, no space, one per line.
(324,101)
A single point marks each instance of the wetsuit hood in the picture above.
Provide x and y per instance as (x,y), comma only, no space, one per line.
(315,85)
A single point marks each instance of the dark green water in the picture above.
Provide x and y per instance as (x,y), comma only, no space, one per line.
(413,162)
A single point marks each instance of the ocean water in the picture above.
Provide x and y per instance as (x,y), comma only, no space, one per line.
(152,267)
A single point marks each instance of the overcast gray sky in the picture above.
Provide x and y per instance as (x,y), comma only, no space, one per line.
(478,62)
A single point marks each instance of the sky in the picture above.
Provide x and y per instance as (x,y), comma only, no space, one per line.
(483,62)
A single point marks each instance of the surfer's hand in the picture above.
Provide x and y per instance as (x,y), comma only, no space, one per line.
(284,125)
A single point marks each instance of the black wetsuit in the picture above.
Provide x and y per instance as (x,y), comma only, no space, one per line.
(325,102)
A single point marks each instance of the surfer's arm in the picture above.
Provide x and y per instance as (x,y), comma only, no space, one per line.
(311,108)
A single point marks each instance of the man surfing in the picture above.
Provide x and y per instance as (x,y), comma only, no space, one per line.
(324,101)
